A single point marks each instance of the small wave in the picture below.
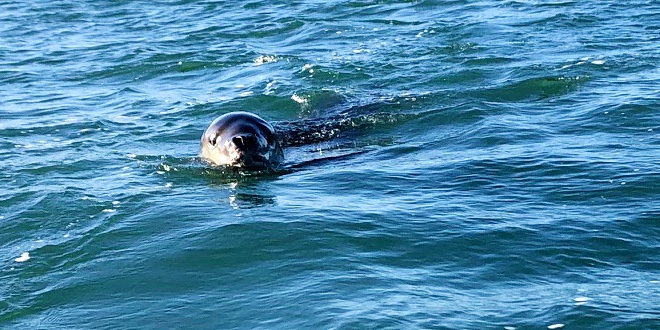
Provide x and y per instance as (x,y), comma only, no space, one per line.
(185,170)
(534,88)
(313,103)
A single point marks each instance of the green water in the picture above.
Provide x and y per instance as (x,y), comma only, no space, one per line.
(508,176)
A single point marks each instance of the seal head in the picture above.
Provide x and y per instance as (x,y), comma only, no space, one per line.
(242,139)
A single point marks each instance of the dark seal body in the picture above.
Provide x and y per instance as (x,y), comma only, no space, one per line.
(242,139)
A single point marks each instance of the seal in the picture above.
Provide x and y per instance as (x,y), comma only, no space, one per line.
(242,139)
(245,140)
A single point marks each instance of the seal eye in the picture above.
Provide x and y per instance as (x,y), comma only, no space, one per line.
(213,140)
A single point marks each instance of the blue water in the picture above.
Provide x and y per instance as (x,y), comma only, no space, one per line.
(508,178)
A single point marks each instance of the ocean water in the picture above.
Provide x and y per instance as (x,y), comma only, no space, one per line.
(505,173)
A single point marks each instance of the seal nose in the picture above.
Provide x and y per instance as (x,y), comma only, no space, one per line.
(244,142)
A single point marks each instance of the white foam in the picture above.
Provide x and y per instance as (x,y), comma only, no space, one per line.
(298,98)
(115,202)
(579,301)
(556,326)
(307,67)
(167,112)
(23,258)
(598,62)
(264,59)
(109,210)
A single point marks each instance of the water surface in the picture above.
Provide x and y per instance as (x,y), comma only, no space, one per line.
(509,180)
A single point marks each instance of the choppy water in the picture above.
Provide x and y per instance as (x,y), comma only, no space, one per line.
(517,185)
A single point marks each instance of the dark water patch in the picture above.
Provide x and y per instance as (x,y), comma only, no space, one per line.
(17,77)
(320,75)
(503,131)
(276,28)
(489,61)
(324,129)
(151,68)
(394,22)
(261,104)
(637,120)
(534,89)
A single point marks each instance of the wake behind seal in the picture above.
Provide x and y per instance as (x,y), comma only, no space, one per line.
(242,139)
